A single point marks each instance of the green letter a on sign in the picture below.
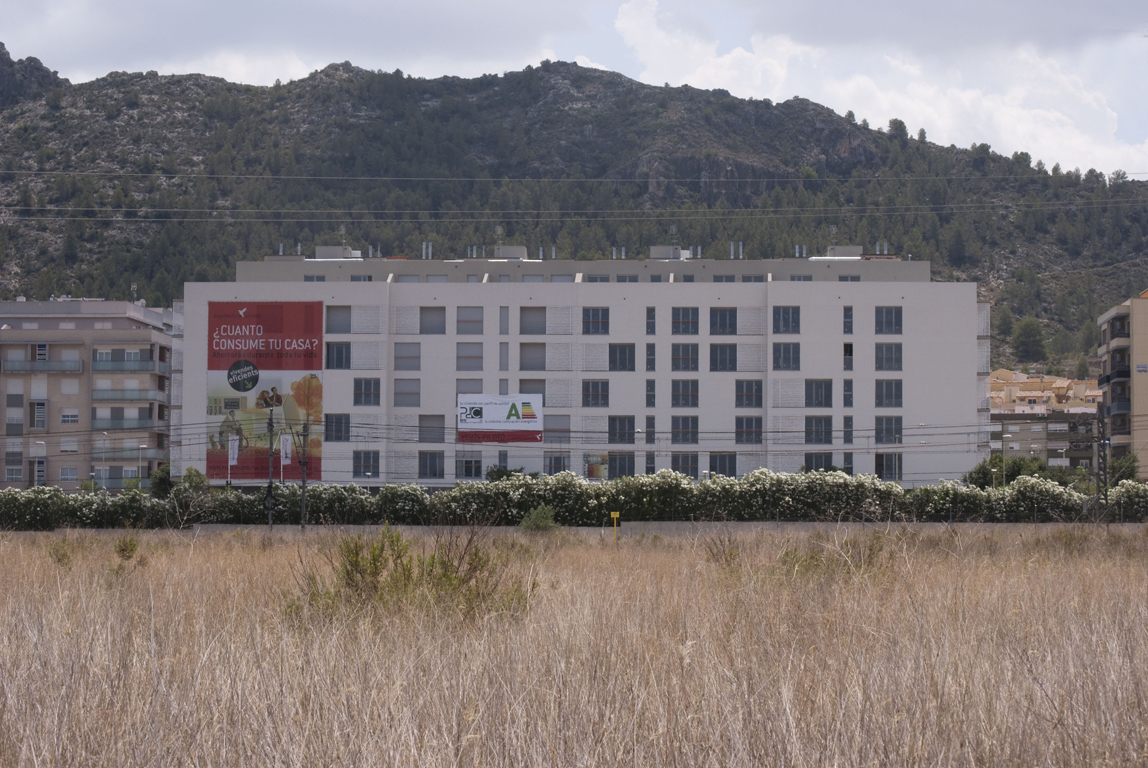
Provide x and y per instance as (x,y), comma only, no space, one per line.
(513,412)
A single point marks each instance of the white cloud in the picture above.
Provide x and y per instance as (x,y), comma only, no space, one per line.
(1015,98)
(584,61)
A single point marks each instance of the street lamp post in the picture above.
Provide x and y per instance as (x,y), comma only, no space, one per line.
(141,473)
(1004,461)
(994,478)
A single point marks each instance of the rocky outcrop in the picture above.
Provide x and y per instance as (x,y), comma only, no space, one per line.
(24,78)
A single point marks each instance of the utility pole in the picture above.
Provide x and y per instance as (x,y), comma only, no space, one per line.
(269,502)
(303,464)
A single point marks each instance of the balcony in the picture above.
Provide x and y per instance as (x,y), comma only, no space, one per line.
(164,368)
(105,424)
(1119,333)
(129,454)
(1123,372)
(124,366)
(120,483)
(43,366)
(1119,406)
(129,394)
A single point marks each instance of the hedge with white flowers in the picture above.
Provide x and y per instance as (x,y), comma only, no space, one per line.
(760,495)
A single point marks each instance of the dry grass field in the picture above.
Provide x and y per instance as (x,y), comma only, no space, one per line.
(988,646)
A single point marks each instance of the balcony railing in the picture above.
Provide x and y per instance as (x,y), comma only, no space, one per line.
(1120,406)
(164,368)
(46,366)
(129,394)
(1119,333)
(129,454)
(1123,372)
(128,424)
(123,365)
(120,483)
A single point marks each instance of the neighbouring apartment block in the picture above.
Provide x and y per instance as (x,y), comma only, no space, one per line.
(87,387)
(429,371)
(1050,418)
(1123,355)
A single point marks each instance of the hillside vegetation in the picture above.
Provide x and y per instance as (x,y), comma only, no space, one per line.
(138,178)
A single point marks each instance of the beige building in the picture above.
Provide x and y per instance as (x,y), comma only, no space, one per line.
(1124,359)
(1050,418)
(87,392)
(718,365)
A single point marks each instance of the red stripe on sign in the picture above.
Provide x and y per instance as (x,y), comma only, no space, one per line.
(509,436)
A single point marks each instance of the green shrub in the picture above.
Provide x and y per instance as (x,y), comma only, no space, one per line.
(539,520)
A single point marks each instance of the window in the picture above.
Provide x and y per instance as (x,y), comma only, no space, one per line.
(686,463)
(651,324)
(338,319)
(723,322)
(532,357)
(626,279)
(597,278)
(684,429)
(847,430)
(651,393)
(887,466)
(432,428)
(787,319)
(848,357)
(650,356)
(338,428)
(801,278)
(69,415)
(787,356)
(753,278)
(818,461)
(684,357)
(555,429)
(622,357)
(533,387)
(554,462)
(849,278)
(819,429)
(595,394)
(596,321)
(723,464)
(684,393)
(431,464)
(365,464)
(360,278)
(650,430)
(687,278)
(504,356)
(432,320)
(650,468)
(468,321)
(367,391)
(747,429)
(723,357)
(339,355)
(468,465)
(847,393)
(847,462)
(408,393)
(468,356)
(71,445)
(406,278)
(684,321)
(314,278)
(504,321)
(533,279)
(888,357)
(408,356)
(68,475)
(621,429)
(723,278)
(620,465)
(504,386)
(888,320)
(13,474)
(888,393)
(888,430)
(747,393)
(818,393)
(532,321)
(847,323)
(655,278)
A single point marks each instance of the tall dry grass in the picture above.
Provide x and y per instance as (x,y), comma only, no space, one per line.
(990,647)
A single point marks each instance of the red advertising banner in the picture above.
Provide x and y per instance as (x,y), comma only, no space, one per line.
(264,361)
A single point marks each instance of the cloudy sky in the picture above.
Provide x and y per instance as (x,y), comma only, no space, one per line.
(1065,81)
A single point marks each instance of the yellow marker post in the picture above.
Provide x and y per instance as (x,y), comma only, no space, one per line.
(615,515)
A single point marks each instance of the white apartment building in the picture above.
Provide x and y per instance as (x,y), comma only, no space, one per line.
(696,365)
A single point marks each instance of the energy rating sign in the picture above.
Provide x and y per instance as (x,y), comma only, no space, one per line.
(500,419)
